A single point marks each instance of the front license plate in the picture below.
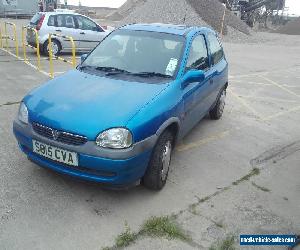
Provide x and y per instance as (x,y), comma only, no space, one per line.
(54,153)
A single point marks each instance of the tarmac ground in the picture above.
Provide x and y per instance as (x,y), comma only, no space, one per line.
(212,188)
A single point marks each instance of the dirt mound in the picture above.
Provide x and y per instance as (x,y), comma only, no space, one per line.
(191,12)
(212,11)
(166,11)
(125,9)
(291,28)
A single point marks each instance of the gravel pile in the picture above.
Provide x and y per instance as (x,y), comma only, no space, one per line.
(291,28)
(212,11)
(125,9)
(166,11)
(191,12)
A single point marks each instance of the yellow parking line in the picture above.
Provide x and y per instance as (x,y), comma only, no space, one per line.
(280,86)
(268,98)
(295,109)
(245,104)
(248,75)
(184,147)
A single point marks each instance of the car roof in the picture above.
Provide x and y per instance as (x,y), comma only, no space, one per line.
(181,30)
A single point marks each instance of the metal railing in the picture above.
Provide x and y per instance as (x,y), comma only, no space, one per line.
(14,38)
(25,29)
(4,45)
(73,62)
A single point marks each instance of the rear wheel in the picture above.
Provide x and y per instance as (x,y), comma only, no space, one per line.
(217,112)
(158,170)
(56,47)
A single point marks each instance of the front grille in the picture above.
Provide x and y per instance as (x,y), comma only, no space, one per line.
(59,136)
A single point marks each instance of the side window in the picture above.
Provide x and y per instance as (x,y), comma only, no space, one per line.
(86,24)
(198,58)
(70,23)
(60,21)
(66,21)
(215,48)
(51,21)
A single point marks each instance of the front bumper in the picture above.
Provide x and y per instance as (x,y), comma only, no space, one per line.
(114,167)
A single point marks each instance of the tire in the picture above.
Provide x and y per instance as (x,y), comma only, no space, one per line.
(56,46)
(217,112)
(158,169)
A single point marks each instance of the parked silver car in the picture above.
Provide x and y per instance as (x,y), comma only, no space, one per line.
(85,32)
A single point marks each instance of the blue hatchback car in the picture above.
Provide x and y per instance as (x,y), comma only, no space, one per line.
(116,118)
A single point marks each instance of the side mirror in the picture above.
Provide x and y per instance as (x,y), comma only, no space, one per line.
(192,76)
(83,57)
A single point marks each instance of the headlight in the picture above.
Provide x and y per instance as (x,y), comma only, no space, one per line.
(116,138)
(23,113)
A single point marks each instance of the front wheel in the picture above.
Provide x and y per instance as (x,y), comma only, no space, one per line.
(217,112)
(158,170)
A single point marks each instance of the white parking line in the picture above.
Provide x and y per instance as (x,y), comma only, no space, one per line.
(28,63)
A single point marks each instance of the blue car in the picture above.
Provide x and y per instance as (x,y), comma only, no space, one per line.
(116,118)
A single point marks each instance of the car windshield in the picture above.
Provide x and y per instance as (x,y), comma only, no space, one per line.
(142,53)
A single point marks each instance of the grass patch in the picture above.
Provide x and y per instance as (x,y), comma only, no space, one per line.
(260,187)
(254,171)
(124,239)
(226,244)
(164,226)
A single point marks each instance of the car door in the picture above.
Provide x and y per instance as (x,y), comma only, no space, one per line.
(219,67)
(65,26)
(90,34)
(195,95)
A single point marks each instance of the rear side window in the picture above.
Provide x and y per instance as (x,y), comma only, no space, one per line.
(86,24)
(51,21)
(198,57)
(216,49)
(35,19)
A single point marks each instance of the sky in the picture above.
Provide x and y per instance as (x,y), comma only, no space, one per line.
(294,5)
(98,3)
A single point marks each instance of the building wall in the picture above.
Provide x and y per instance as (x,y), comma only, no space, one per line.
(19,6)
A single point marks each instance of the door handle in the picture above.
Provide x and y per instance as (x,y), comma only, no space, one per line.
(58,30)
(82,33)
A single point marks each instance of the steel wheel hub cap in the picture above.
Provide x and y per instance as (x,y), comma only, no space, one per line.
(166,159)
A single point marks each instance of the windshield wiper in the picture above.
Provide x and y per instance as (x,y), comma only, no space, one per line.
(152,74)
(81,67)
(111,70)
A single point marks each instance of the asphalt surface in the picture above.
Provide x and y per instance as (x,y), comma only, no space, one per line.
(40,209)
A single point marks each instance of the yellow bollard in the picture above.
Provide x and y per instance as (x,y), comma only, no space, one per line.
(25,28)
(73,62)
(15,38)
(50,56)
(6,37)
(23,43)
(1,42)
(73,52)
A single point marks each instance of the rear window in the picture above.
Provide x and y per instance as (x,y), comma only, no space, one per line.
(36,18)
